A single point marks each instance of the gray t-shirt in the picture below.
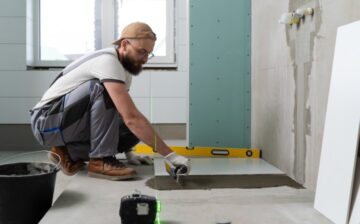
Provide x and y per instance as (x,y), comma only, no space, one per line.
(103,65)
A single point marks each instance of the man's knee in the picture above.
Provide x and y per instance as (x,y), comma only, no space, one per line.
(127,141)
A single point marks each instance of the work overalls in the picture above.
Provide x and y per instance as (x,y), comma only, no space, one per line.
(84,120)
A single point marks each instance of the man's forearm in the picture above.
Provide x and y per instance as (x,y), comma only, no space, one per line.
(142,128)
(133,118)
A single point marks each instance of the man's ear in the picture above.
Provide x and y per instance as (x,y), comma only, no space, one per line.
(124,43)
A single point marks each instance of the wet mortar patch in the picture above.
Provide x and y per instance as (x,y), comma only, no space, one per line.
(222,181)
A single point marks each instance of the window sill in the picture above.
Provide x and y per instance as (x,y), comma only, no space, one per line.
(146,67)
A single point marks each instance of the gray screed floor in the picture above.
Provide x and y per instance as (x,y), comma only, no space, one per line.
(247,191)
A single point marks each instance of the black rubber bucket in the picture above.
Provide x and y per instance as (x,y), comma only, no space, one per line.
(26,191)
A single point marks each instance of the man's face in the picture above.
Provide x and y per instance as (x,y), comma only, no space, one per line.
(136,53)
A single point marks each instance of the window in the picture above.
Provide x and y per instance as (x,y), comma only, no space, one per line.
(67,29)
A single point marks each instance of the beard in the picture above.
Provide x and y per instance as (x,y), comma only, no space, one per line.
(131,66)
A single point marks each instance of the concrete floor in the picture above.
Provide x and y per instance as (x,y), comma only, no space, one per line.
(89,200)
(81,199)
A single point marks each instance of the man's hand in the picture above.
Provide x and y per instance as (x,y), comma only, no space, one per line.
(178,160)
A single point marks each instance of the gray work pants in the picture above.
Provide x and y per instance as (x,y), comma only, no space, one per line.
(85,121)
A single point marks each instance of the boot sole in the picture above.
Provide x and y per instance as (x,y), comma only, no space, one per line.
(107,177)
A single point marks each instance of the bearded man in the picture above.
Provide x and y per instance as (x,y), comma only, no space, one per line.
(87,113)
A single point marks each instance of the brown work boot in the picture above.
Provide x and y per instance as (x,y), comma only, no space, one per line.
(67,166)
(110,168)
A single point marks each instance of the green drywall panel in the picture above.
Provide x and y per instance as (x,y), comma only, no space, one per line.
(220,76)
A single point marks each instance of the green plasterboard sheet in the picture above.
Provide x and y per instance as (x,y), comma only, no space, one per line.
(220,76)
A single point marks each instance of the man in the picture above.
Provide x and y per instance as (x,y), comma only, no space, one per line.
(87,113)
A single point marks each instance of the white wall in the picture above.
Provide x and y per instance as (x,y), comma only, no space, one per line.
(162,95)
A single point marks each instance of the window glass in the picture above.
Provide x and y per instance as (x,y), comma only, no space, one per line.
(67,28)
(151,12)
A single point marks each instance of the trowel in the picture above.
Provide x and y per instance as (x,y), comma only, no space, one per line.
(176,172)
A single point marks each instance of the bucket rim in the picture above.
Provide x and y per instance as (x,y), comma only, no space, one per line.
(50,162)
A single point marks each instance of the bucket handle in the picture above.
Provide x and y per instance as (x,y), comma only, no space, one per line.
(58,165)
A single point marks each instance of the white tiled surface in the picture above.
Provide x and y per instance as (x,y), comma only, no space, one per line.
(222,166)
(168,110)
(13,8)
(13,30)
(169,84)
(34,79)
(16,110)
(140,85)
(13,57)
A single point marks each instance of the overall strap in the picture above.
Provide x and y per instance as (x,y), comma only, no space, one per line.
(78,63)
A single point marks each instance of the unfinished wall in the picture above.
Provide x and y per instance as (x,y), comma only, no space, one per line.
(291,70)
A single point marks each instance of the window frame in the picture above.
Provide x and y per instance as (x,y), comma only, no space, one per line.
(105,32)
